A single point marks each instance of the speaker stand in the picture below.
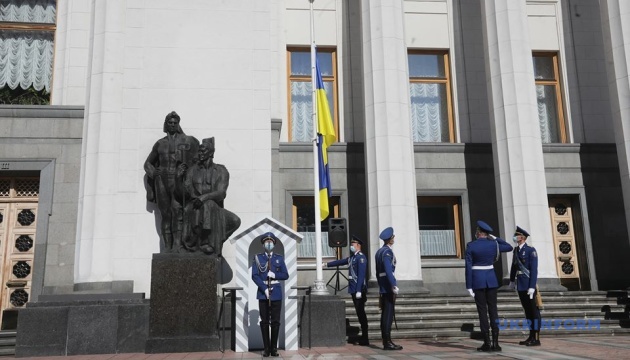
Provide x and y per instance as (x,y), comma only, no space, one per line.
(336,276)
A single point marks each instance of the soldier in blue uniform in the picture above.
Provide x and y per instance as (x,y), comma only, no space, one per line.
(525,273)
(357,287)
(481,280)
(385,267)
(267,270)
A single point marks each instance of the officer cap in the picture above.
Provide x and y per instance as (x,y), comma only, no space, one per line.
(484,227)
(268,236)
(521,231)
(386,234)
(355,239)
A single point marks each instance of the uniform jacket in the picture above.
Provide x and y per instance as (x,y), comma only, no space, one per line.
(529,258)
(357,267)
(260,268)
(482,252)
(385,267)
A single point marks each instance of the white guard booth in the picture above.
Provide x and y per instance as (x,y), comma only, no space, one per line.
(248,334)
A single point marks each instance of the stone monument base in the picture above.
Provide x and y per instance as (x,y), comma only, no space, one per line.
(183,309)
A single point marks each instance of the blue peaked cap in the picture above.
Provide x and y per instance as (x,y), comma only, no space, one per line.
(268,235)
(386,234)
(356,240)
(521,231)
(484,227)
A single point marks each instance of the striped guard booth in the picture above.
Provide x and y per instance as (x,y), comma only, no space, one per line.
(246,299)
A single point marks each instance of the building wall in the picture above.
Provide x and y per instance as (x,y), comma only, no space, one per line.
(45,141)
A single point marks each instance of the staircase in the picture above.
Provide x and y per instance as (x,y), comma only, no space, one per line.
(448,316)
(7,342)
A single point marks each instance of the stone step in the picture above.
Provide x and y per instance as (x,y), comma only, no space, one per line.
(7,342)
(433,316)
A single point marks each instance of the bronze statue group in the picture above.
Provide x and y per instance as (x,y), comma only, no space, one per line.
(189,189)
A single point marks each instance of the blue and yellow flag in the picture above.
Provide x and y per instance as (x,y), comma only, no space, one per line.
(325,137)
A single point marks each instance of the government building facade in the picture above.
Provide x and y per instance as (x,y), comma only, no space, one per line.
(446,112)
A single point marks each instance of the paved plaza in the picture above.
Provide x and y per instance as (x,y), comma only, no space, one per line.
(579,347)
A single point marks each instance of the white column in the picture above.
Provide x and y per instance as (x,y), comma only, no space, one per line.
(101,144)
(516,142)
(615,22)
(388,143)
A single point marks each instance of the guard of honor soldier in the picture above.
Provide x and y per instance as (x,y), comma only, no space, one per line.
(267,269)
(385,267)
(482,283)
(525,273)
(357,286)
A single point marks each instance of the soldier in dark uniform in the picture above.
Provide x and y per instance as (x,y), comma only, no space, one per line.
(385,267)
(267,269)
(525,272)
(357,287)
(481,281)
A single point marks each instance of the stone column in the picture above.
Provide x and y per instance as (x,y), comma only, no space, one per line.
(100,156)
(615,16)
(516,141)
(390,168)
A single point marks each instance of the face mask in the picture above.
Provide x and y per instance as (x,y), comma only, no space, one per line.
(269,246)
(352,249)
(515,239)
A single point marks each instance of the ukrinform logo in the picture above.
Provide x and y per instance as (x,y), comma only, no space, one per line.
(549,324)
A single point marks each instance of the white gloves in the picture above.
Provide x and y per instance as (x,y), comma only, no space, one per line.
(512,285)
(472,293)
(271,274)
(530,292)
(395,289)
(358,296)
(267,293)
(492,237)
(324,265)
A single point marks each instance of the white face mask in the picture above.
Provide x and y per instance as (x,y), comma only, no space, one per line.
(515,239)
(268,246)
(353,249)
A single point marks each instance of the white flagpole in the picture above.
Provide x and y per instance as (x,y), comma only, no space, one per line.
(319,288)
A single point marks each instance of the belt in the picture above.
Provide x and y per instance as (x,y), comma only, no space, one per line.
(483,267)
(274,282)
(518,273)
(382,274)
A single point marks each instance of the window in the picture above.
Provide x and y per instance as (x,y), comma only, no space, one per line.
(440,226)
(430,89)
(549,98)
(27,31)
(304,223)
(301,91)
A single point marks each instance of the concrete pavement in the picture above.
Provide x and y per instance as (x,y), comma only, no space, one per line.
(579,347)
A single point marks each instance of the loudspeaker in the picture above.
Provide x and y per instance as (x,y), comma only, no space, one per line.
(337,234)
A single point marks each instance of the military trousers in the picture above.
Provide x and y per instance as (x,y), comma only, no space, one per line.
(486,301)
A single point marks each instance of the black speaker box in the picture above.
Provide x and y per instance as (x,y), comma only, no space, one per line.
(337,232)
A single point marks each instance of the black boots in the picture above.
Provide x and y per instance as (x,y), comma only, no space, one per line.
(389,345)
(275,329)
(363,340)
(495,342)
(264,330)
(486,343)
(532,340)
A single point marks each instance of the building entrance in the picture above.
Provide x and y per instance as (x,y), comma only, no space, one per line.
(18,214)
(568,240)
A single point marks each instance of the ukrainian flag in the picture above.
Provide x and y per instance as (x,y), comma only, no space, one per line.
(325,137)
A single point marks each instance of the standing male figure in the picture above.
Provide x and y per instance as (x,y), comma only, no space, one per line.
(525,272)
(161,166)
(357,288)
(385,267)
(267,269)
(481,280)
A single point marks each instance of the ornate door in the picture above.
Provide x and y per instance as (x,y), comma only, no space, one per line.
(564,240)
(18,215)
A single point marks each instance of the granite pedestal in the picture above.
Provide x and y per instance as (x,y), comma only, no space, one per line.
(183,309)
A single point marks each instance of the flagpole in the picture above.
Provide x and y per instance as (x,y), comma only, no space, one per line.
(319,288)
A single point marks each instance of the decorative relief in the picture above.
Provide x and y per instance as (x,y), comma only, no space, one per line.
(24,243)
(567,268)
(561,209)
(21,269)
(565,247)
(26,217)
(563,228)
(19,297)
